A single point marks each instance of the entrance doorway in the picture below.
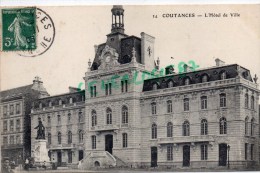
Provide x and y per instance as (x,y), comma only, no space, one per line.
(153,156)
(59,158)
(186,155)
(81,155)
(109,143)
(222,154)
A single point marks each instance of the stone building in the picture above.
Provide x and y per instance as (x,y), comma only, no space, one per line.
(139,116)
(15,108)
(63,118)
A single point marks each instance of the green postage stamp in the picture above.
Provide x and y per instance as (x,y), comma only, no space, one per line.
(19,29)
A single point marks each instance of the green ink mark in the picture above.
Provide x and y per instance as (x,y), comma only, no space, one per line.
(19,29)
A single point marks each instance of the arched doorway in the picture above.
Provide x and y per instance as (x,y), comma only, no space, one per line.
(186,155)
(109,143)
(222,154)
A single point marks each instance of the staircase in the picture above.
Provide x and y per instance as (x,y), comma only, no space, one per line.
(94,159)
(120,163)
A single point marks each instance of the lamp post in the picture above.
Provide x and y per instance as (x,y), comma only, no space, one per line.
(228,148)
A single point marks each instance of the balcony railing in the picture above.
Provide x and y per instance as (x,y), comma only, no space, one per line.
(108,127)
(186,139)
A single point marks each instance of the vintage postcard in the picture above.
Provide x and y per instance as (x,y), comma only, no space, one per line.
(119,88)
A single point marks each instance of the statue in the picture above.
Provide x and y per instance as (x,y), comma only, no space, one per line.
(41,130)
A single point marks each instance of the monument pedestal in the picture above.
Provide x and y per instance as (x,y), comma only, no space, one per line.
(41,151)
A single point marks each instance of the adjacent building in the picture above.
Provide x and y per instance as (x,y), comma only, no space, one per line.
(15,126)
(63,117)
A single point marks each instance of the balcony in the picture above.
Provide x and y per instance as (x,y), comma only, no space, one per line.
(109,127)
(61,146)
(186,139)
(12,146)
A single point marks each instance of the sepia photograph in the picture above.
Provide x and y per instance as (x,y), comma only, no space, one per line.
(130,88)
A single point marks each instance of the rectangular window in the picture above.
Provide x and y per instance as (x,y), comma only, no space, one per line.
(11,139)
(204,102)
(11,109)
(204,152)
(154,109)
(5,110)
(252,151)
(124,140)
(106,87)
(246,148)
(18,108)
(110,88)
(5,126)
(186,104)
(93,91)
(169,106)
(5,140)
(69,156)
(170,152)
(18,139)
(94,142)
(11,125)
(124,86)
(18,125)
(222,100)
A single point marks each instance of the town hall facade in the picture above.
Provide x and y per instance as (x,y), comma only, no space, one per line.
(134,114)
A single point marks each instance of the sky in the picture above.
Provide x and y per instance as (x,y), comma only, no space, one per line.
(79,28)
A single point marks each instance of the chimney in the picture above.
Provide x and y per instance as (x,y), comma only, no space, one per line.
(38,86)
(73,89)
(219,62)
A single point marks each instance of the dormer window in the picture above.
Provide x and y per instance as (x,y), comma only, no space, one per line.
(155,86)
(170,84)
(223,75)
(71,100)
(187,81)
(60,102)
(50,104)
(204,78)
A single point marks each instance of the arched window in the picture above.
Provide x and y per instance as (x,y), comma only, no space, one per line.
(246,100)
(186,104)
(81,136)
(59,137)
(252,126)
(69,117)
(69,137)
(246,126)
(204,101)
(58,118)
(170,84)
(204,127)
(49,120)
(124,136)
(187,81)
(169,129)
(204,78)
(169,106)
(154,131)
(252,102)
(155,86)
(80,117)
(186,128)
(154,107)
(124,115)
(223,75)
(222,100)
(93,118)
(49,138)
(223,126)
(109,116)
